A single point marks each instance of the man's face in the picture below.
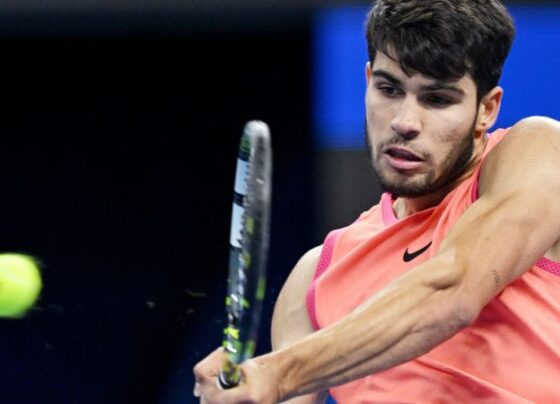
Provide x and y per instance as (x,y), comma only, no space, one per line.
(419,129)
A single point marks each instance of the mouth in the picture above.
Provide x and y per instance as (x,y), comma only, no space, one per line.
(401,153)
(402,159)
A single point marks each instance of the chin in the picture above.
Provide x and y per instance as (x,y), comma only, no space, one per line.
(406,192)
(406,185)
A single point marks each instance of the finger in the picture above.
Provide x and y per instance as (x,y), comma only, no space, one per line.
(209,366)
(210,394)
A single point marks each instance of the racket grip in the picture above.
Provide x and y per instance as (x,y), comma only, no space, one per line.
(224,383)
(230,375)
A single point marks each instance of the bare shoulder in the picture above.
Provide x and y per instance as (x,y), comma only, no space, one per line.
(527,158)
(305,267)
(300,278)
(302,275)
(290,321)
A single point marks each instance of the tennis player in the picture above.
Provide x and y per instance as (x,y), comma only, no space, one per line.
(447,290)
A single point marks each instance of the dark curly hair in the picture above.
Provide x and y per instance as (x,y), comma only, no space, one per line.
(443,39)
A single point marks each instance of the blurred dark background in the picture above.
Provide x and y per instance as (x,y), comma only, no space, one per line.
(120,127)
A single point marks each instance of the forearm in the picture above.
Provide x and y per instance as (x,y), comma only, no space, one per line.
(314,398)
(407,319)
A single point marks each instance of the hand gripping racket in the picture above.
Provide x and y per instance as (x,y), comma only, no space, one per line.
(249,240)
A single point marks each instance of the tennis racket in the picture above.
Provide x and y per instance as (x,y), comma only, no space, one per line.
(249,240)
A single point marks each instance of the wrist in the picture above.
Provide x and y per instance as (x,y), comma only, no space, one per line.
(279,368)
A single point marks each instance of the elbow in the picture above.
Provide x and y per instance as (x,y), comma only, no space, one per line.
(454,304)
(463,314)
(462,307)
(445,320)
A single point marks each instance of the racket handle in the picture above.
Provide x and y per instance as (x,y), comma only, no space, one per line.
(229,376)
(224,383)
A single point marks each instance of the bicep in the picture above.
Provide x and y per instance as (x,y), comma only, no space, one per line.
(290,321)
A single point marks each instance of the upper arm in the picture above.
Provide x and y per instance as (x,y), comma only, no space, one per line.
(290,321)
(516,219)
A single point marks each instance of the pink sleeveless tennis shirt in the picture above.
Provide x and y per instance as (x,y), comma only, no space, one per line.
(511,354)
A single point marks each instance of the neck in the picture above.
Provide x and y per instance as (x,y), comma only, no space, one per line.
(404,207)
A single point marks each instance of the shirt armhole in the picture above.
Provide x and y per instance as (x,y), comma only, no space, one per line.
(322,266)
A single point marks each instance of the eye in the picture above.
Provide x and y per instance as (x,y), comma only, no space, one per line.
(389,90)
(438,100)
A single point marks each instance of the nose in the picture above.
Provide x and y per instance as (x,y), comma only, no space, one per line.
(406,121)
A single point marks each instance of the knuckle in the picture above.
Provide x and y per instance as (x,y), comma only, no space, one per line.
(197,369)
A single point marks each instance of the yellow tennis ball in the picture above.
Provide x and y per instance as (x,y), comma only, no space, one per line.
(20,284)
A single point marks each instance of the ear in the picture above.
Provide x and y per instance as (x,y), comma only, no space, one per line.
(368,73)
(488,109)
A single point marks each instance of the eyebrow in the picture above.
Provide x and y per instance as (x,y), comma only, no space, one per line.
(435,86)
(387,76)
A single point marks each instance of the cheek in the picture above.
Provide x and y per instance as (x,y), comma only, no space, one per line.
(375,105)
(451,134)
(378,116)
(447,139)
(372,119)
(454,122)
(448,147)
(443,144)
